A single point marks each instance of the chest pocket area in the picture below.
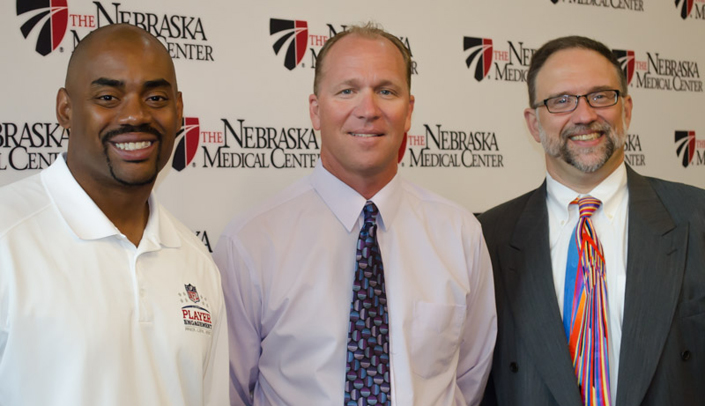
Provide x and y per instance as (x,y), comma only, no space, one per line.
(435,337)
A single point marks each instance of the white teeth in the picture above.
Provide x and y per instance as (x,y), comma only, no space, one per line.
(363,135)
(585,137)
(132,146)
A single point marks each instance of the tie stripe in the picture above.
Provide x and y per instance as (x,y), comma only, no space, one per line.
(587,311)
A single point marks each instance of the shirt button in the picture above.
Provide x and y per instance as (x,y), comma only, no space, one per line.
(514,367)
(141,292)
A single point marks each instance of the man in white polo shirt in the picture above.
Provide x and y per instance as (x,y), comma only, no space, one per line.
(105,298)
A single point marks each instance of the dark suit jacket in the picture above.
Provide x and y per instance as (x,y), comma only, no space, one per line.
(662,360)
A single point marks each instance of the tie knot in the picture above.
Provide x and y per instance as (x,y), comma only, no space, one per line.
(370,211)
(587,205)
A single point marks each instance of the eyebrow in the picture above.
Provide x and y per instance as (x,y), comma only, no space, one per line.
(591,90)
(150,84)
(108,82)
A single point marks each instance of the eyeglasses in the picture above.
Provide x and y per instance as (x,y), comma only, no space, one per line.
(569,102)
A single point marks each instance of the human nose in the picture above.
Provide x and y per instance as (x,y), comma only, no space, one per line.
(584,112)
(368,106)
(133,111)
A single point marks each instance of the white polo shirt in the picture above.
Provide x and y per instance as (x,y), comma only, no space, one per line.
(87,318)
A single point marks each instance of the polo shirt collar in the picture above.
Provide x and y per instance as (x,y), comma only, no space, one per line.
(347,204)
(86,219)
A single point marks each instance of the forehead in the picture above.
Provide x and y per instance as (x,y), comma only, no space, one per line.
(575,71)
(126,59)
(358,55)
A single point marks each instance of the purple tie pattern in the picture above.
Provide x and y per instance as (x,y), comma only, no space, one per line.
(585,308)
(367,370)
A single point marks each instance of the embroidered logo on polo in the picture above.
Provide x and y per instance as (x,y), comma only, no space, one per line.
(293,32)
(195,313)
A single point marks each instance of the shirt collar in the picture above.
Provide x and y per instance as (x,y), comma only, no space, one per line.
(347,204)
(610,192)
(86,219)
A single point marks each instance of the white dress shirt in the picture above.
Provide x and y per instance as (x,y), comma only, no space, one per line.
(610,221)
(87,318)
(288,269)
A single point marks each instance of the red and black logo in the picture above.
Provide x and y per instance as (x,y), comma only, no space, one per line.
(51,16)
(187,146)
(685,146)
(293,34)
(685,8)
(480,58)
(626,61)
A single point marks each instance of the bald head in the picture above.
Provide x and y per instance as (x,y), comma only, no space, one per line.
(108,37)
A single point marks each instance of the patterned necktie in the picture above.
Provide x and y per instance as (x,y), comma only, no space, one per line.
(367,371)
(585,308)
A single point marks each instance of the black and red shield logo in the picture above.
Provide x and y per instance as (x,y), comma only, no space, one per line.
(686,6)
(187,146)
(685,146)
(292,35)
(627,61)
(480,58)
(50,17)
(192,293)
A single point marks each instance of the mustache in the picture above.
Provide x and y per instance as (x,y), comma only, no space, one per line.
(129,128)
(581,128)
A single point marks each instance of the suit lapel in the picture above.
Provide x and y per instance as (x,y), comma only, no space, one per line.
(655,265)
(530,290)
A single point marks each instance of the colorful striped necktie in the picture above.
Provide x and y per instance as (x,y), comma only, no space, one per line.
(585,308)
(367,369)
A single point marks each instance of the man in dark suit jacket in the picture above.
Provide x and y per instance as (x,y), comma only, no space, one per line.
(657,238)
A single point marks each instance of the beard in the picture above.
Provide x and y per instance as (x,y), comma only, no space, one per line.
(585,159)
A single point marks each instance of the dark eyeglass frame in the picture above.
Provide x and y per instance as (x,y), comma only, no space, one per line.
(577,97)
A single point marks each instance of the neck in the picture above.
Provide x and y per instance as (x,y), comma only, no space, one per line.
(583,182)
(366,184)
(127,207)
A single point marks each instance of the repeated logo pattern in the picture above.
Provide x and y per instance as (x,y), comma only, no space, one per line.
(367,371)
(685,146)
(187,146)
(480,58)
(51,16)
(626,60)
(686,6)
(295,32)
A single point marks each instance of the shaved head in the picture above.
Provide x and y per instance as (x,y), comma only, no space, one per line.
(107,36)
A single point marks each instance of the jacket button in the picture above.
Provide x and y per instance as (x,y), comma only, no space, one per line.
(513,367)
(685,355)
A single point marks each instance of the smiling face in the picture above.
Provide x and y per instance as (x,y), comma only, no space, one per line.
(587,143)
(122,107)
(363,108)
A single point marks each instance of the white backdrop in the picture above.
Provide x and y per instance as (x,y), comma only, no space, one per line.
(237,89)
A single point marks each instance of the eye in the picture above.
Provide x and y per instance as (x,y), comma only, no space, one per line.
(156,98)
(106,97)
(560,100)
(346,91)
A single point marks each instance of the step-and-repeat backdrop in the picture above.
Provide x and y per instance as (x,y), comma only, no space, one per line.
(246,70)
